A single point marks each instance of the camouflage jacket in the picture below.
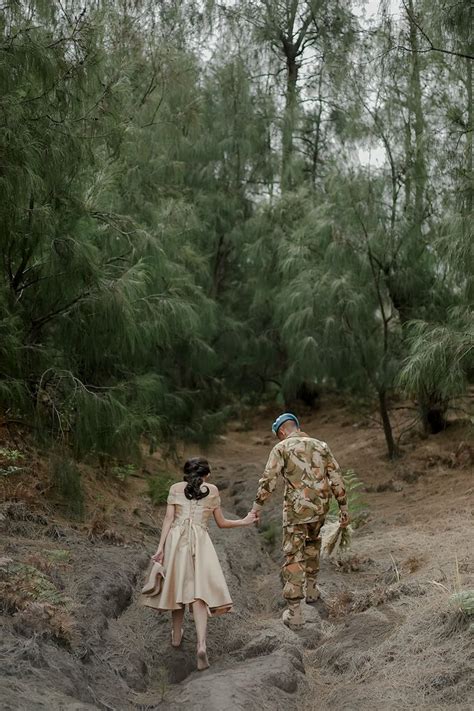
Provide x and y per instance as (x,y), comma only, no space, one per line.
(311,474)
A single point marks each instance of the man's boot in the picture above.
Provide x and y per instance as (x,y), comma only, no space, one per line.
(313,593)
(292,616)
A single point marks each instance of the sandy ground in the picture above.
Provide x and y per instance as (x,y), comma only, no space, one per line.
(386,637)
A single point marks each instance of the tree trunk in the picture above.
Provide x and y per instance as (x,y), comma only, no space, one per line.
(468,201)
(416,108)
(317,139)
(392,448)
(433,413)
(289,121)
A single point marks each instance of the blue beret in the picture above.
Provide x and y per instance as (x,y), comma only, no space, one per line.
(284,418)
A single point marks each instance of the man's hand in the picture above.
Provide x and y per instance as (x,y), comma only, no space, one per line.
(250,518)
(344,518)
(158,556)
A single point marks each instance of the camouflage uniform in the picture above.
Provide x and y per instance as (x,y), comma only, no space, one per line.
(311,475)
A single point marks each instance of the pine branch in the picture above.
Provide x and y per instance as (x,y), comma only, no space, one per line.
(432,47)
(38,323)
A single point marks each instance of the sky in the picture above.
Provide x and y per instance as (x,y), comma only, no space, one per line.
(374,157)
(372,6)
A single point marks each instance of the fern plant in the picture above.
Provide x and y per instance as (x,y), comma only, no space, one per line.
(355,502)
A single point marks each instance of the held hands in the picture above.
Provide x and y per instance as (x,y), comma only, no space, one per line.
(250,518)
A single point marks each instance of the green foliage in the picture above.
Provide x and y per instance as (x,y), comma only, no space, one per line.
(180,235)
(355,502)
(10,458)
(123,471)
(102,281)
(464,601)
(440,356)
(11,455)
(271,533)
(66,477)
(57,555)
(158,488)
(10,469)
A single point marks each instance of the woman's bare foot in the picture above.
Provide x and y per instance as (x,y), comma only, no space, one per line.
(202,660)
(176,637)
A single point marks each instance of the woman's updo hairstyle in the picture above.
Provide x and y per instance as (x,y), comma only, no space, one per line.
(195,470)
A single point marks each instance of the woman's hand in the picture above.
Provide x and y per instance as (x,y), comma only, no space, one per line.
(158,556)
(249,519)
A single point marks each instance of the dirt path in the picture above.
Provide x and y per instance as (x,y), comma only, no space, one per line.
(390,638)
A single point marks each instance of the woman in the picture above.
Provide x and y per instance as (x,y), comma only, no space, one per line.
(191,572)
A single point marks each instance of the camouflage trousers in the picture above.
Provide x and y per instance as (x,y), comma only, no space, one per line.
(301,547)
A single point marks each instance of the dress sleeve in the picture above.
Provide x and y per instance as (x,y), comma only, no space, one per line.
(217,502)
(171,498)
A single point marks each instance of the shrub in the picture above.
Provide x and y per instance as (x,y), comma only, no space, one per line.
(464,602)
(11,455)
(9,459)
(123,471)
(158,487)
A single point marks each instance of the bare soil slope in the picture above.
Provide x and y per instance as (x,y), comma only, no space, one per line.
(74,636)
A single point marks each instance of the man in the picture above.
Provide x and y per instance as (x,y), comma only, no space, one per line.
(311,474)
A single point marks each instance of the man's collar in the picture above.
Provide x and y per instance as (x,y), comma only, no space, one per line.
(298,433)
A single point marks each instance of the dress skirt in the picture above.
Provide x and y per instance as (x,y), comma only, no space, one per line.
(191,570)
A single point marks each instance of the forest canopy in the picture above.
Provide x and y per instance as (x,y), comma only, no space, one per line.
(206,203)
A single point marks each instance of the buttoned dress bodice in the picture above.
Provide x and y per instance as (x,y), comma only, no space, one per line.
(195,511)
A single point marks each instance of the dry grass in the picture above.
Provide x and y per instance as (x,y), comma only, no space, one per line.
(47,621)
(20,511)
(345,602)
(420,662)
(38,607)
(22,584)
(350,563)
(340,604)
(99,529)
(412,564)
(39,562)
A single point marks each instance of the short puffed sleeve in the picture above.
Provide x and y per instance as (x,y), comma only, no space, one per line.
(172,498)
(216,501)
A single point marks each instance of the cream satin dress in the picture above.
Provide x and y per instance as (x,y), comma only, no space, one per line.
(191,567)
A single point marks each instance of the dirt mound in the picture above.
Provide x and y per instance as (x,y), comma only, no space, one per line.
(268,682)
